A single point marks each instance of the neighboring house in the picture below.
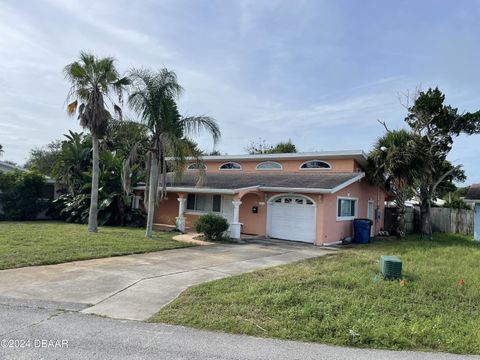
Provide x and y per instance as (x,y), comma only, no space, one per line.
(6,167)
(308,197)
(473,196)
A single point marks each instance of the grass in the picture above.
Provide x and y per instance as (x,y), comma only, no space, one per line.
(335,299)
(42,243)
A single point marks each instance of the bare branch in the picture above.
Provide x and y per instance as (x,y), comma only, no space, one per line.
(384,125)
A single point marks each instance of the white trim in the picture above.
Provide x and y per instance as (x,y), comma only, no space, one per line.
(295,190)
(347,183)
(269,169)
(193,190)
(272,199)
(346,218)
(230,162)
(307,169)
(301,155)
(204,167)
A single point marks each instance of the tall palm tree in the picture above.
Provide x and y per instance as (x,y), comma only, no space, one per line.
(153,99)
(394,164)
(93,81)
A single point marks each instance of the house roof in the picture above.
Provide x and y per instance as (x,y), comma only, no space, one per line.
(358,155)
(5,166)
(325,183)
(473,193)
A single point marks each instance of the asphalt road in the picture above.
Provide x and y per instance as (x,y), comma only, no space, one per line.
(46,330)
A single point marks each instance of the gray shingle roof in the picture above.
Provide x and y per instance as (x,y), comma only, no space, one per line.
(474,192)
(243,180)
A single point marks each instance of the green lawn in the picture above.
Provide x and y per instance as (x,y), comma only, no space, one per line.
(335,299)
(41,243)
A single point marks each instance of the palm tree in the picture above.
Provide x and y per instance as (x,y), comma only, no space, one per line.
(153,99)
(394,163)
(1,149)
(93,80)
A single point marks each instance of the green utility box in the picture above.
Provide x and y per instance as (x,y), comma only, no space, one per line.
(391,267)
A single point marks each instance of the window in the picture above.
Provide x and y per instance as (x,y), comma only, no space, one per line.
(230,166)
(315,164)
(204,202)
(290,200)
(346,208)
(196,166)
(269,165)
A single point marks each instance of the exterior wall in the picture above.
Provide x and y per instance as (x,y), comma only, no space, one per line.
(328,230)
(167,210)
(253,224)
(335,230)
(338,165)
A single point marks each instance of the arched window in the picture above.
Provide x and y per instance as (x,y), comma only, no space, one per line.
(230,166)
(269,165)
(315,164)
(196,166)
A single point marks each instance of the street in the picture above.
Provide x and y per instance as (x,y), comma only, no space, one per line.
(51,330)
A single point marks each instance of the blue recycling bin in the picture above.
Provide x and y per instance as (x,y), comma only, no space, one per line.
(361,230)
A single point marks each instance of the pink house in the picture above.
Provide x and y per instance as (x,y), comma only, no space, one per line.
(308,197)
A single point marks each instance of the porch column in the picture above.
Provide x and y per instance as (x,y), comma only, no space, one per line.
(180,220)
(235,226)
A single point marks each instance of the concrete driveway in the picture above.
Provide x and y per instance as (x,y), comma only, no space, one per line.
(135,287)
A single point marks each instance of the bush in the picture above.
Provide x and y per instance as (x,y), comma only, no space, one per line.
(21,195)
(112,211)
(212,226)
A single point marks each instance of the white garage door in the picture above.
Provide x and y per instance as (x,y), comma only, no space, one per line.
(292,218)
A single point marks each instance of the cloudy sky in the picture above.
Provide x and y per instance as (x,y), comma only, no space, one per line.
(318,72)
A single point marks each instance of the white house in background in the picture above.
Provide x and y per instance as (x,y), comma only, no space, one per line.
(7,167)
(473,196)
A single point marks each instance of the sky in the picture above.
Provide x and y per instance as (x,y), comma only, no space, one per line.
(321,73)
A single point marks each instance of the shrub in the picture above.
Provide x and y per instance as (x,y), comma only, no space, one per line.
(21,195)
(212,226)
(112,210)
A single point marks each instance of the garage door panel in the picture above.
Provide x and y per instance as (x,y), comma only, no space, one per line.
(292,219)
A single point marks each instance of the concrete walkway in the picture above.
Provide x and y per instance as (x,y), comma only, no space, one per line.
(135,287)
(91,337)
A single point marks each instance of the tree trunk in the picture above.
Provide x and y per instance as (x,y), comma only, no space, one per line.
(152,192)
(93,213)
(401,225)
(425,215)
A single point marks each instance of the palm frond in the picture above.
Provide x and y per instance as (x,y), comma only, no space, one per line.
(195,124)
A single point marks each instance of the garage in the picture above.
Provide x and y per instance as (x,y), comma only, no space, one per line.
(292,217)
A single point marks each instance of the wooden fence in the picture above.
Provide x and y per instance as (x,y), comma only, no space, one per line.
(452,220)
(443,220)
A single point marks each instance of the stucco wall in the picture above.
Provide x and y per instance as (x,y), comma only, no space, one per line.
(253,223)
(338,165)
(335,230)
(167,210)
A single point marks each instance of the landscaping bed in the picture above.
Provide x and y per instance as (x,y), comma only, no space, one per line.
(341,300)
(42,243)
